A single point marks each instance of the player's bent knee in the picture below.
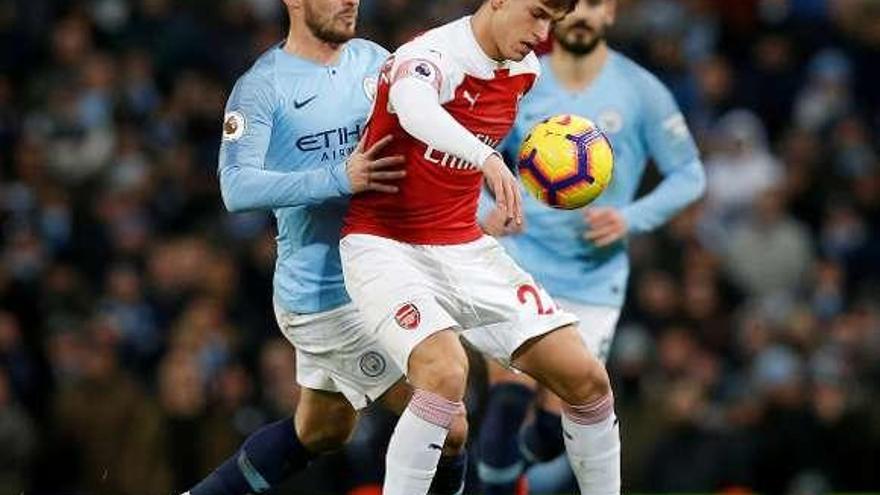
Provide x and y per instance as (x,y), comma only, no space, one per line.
(327,428)
(328,436)
(440,365)
(589,383)
(447,380)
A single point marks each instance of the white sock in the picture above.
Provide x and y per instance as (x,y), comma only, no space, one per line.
(417,442)
(592,439)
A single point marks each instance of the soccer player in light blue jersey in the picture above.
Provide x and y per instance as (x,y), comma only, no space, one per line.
(580,256)
(290,144)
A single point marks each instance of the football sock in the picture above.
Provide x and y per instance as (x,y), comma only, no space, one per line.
(267,456)
(592,439)
(501,462)
(541,440)
(415,446)
(451,471)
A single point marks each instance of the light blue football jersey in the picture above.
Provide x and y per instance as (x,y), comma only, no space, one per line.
(290,123)
(642,120)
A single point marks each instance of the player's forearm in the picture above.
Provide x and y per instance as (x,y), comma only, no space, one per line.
(248,188)
(421,116)
(674,193)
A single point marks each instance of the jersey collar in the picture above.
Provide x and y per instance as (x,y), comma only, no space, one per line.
(295,62)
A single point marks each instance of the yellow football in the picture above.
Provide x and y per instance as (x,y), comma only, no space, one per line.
(566,162)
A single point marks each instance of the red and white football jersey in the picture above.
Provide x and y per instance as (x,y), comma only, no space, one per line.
(437,201)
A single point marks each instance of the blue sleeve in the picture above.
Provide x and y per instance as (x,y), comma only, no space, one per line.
(247,129)
(668,141)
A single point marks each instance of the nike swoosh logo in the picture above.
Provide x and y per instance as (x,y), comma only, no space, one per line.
(300,104)
(435,446)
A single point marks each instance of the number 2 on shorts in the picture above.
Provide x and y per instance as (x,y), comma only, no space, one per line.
(526,289)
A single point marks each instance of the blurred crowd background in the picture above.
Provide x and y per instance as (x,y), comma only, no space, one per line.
(137,342)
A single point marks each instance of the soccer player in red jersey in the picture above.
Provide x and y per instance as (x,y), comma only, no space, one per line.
(419,268)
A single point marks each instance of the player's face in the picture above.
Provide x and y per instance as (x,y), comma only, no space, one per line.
(333,21)
(521,24)
(585,27)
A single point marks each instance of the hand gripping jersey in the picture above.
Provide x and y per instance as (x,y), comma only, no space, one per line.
(438,197)
(290,125)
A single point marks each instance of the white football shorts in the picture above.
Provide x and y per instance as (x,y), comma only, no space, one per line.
(408,292)
(335,354)
(597,325)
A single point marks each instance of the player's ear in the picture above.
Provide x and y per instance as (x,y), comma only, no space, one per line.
(610,11)
(497,4)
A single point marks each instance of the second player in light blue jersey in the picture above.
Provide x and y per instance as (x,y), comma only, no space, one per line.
(290,144)
(580,256)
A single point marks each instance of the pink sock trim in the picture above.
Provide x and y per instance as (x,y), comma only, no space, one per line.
(434,409)
(592,412)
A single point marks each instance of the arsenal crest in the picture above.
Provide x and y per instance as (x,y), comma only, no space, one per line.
(408,316)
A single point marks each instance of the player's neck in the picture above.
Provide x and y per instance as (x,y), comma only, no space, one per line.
(480,28)
(575,72)
(303,44)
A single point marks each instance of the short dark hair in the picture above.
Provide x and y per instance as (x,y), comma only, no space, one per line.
(567,5)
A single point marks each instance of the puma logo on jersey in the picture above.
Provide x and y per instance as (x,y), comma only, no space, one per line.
(472,99)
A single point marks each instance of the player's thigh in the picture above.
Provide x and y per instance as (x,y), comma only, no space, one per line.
(401,302)
(560,361)
(336,354)
(597,325)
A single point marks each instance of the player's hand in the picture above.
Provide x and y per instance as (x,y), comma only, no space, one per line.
(367,172)
(503,184)
(496,225)
(607,225)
